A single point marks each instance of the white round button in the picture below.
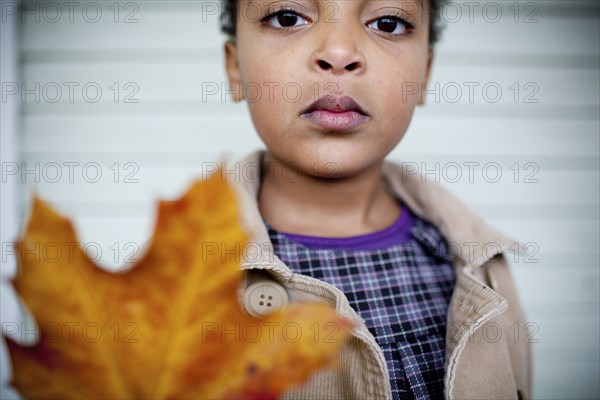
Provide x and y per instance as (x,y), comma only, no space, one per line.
(264,297)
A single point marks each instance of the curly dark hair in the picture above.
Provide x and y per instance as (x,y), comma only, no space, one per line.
(228,19)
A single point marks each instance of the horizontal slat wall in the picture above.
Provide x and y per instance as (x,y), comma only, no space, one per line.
(10,192)
(545,138)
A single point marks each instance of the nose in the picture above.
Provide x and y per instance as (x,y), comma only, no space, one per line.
(338,53)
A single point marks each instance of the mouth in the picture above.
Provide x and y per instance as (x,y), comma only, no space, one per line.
(335,113)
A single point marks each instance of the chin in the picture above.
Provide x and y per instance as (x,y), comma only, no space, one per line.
(335,168)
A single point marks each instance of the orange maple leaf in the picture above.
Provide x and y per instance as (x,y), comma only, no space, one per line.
(171,326)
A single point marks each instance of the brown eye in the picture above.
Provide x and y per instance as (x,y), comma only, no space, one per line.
(387,24)
(391,25)
(287,19)
(284,19)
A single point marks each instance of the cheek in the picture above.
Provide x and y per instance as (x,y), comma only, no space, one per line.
(399,101)
(269,119)
(262,64)
(398,79)
(268,84)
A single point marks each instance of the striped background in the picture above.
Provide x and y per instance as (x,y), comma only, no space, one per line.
(548,149)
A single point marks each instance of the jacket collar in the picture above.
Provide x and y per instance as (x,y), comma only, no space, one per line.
(471,240)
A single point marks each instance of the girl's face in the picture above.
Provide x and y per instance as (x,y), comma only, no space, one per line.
(291,53)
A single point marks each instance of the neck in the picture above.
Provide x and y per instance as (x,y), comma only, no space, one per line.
(296,202)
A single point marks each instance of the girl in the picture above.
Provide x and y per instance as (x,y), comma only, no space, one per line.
(331,87)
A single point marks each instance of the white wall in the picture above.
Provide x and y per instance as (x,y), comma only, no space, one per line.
(11,190)
(550,50)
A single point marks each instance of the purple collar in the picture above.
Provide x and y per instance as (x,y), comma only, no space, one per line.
(397,233)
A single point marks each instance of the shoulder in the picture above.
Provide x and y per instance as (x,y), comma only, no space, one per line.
(467,233)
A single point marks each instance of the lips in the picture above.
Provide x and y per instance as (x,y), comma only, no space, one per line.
(335,104)
(337,114)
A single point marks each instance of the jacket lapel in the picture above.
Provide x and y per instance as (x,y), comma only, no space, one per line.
(472,243)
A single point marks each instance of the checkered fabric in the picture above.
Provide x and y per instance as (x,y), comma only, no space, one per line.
(401,291)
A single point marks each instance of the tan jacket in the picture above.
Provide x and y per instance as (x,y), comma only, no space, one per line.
(485,358)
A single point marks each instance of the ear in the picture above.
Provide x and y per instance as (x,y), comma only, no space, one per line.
(233,70)
(427,74)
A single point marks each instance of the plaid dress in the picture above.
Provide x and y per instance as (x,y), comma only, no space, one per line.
(399,280)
